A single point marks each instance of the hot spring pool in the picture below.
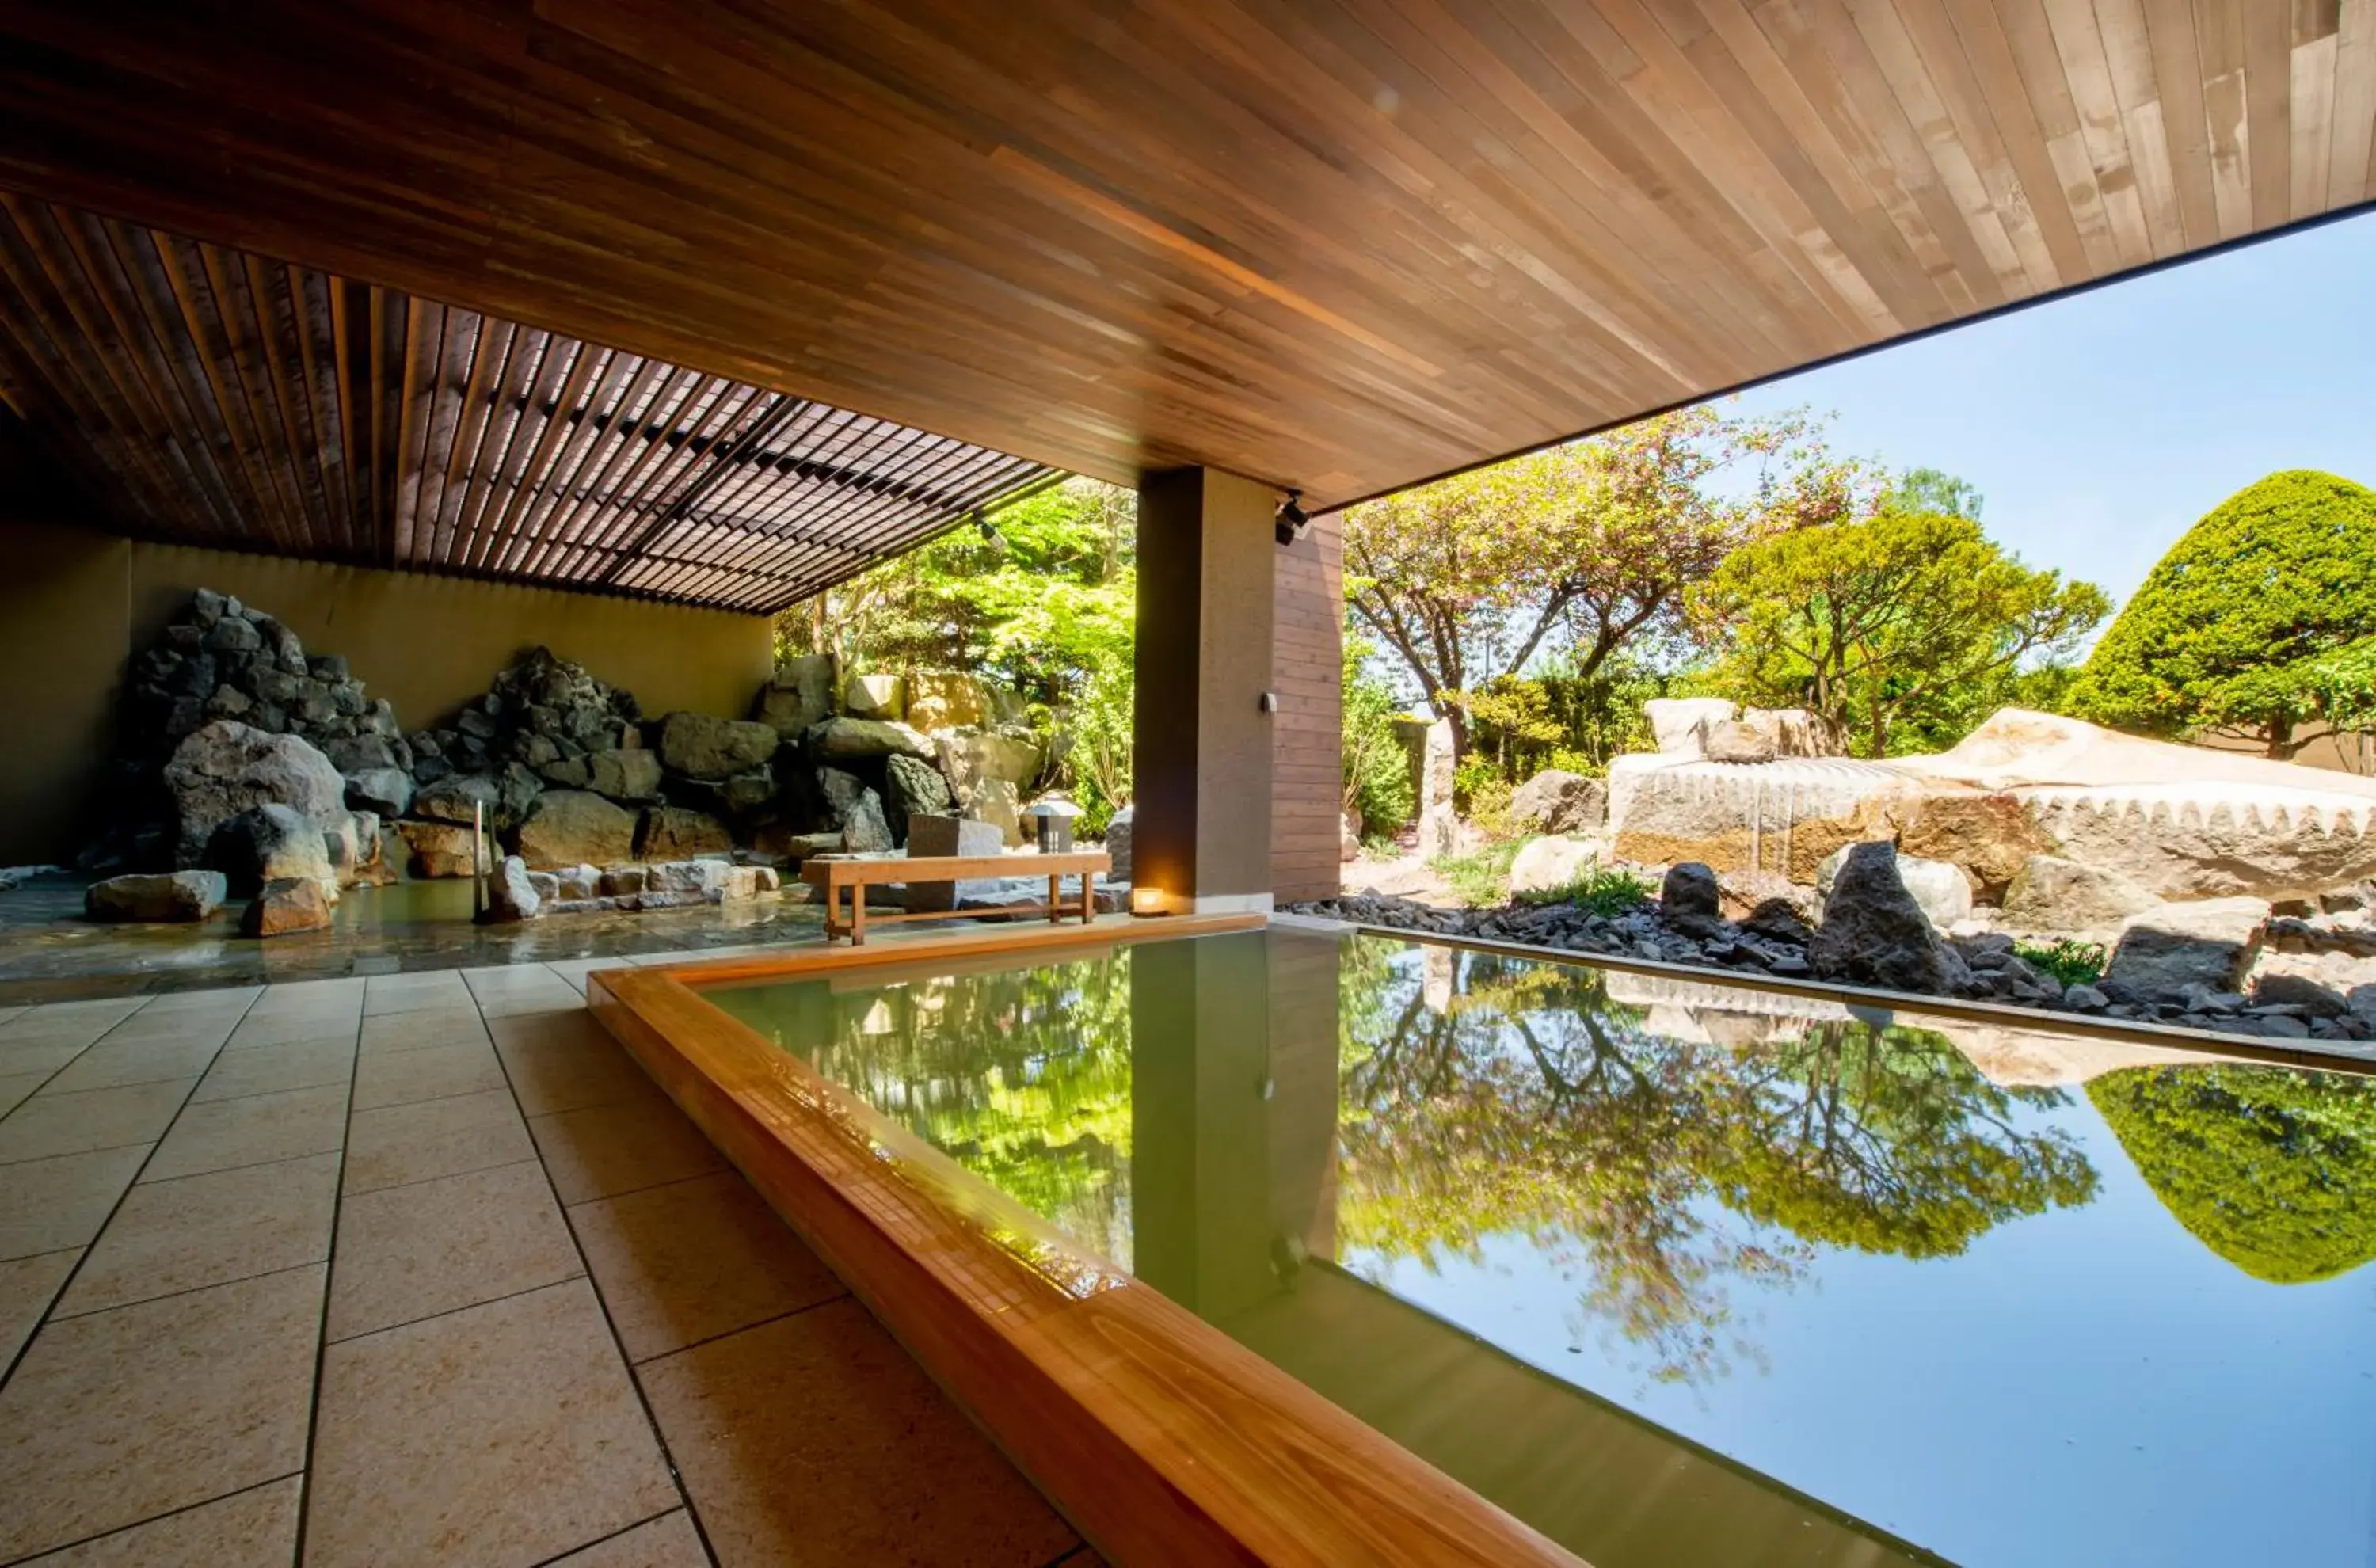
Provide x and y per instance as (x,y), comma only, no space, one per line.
(1688,1275)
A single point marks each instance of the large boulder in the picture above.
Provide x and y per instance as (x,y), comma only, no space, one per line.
(1679,725)
(224,767)
(700,746)
(950,699)
(511,894)
(1940,888)
(1785,817)
(912,787)
(874,696)
(856,740)
(1690,896)
(460,799)
(1555,801)
(968,757)
(800,695)
(996,801)
(1552,862)
(568,828)
(285,907)
(623,774)
(438,848)
(182,896)
(2167,949)
(1733,740)
(863,830)
(840,792)
(1991,833)
(270,843)
(673,833)
(383,792)
(1874,933)
(2052,894)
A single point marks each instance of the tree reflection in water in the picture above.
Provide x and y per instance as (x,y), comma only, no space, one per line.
(1662,1170)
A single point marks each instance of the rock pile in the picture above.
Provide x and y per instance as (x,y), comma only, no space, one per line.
(2227,966)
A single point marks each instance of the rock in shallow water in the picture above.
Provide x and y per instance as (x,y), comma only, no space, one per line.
(285,907)
(181,895)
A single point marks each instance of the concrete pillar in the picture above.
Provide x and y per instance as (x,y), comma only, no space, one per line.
(1208,568)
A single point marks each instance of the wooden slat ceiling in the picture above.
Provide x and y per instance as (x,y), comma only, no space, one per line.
(211,396)
(1333,244)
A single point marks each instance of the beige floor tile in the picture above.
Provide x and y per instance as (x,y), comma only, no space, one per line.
(110,1064)
(49,1204)
(240,1071)
(52,1122)
(693,1260)
(386,994)
(605,1150)
(440,1072)
(815,1439)
(421,1031)
(27,1288)
(668,1541)
(17,1086)
(42,1057)
(232,999)
(252,1130)
(408,1253)
(566,1062)
(292,1028)
(81,1022)
(200,1231)
(398,1144)
(557,1455)
(119,1416)
(257,1528)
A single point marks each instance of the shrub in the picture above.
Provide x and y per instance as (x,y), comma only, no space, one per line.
(2070,962)
(2230,631)
(1377,770)
(1597,890)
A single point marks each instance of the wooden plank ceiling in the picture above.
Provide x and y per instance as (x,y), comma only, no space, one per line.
(209,397)
(1338,244)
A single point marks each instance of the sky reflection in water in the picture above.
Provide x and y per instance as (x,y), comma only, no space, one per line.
(2117,1319)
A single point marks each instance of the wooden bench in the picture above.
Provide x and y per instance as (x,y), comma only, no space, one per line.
(830,873)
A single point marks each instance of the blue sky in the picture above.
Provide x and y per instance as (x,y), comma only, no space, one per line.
(2100,428)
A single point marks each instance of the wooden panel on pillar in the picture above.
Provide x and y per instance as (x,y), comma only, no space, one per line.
(1307,671)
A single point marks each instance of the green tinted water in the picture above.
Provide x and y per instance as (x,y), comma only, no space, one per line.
(1687,1275)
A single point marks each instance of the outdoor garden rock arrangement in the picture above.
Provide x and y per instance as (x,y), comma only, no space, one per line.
(2228,965)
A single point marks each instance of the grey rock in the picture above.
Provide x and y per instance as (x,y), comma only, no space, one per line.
(702,747)
(2165,949)
(2052,894)
(1777,920)
(2299,990)
(227,766)
(286,907)
(207,607)
(912,787)
(672,833)
(1119,829)
(801,694)
(233,635)
(512,894)
(630,774)
(1555,801)
(2085,999)
(863,830)
(270,843)
(386,790)
(568,828)
(876,696)
(1690,896)
(459,798)
(1873,932)
(850,740)
(331,666)
(1942,889)
(1729,740)
(352,754)
(840,791)
(569,773)
(179,896)
(939,834)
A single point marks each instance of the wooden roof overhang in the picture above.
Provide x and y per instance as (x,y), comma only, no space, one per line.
(1337,245)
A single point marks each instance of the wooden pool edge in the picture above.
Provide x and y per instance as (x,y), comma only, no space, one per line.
(1161,1440)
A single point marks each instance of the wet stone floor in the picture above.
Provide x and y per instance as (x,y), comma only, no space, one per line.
(421,1268)
(49,953)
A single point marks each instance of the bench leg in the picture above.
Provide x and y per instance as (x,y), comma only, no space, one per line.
(858,914)
(1088,897)
(1055,900)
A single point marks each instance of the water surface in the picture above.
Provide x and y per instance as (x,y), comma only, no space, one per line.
(1686,1275)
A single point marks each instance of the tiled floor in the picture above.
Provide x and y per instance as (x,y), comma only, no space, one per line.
(419,1270)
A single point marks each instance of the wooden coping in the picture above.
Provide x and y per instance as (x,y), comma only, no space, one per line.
(1161,1439)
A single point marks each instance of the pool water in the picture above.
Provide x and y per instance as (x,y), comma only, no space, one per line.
(1688,1275)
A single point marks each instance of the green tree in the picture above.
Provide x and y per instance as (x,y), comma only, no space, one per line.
(2228,632)
(1918,490)
(1586,547)
(1882,625)
(1377,770)
(2271,1168)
